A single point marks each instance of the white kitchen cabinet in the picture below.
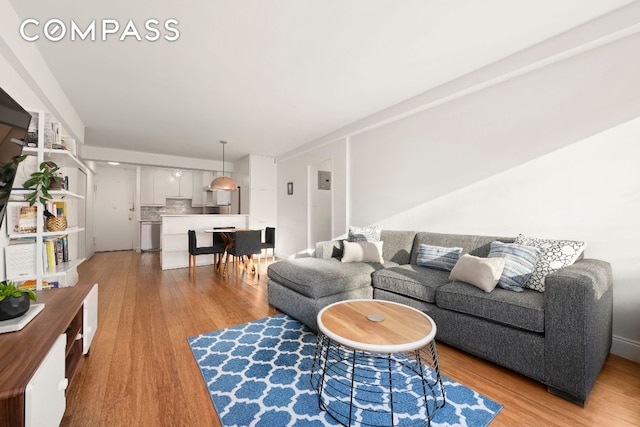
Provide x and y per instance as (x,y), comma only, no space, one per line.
(186,185)
(259,193)
(165,185)
(156,184)
(197,189)
(153,184)
(146,186)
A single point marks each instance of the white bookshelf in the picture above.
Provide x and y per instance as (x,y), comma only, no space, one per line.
(65,273)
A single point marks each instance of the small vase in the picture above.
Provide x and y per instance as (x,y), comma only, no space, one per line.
(12,307)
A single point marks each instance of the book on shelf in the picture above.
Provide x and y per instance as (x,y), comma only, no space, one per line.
(50,256)
(31,284)
(20,260)
(33,133)
(70,145)
(55,252)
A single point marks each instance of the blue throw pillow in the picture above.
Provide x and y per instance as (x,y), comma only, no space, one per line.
(438,257)
(520,261)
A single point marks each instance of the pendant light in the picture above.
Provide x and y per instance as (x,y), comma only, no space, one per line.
(222,182)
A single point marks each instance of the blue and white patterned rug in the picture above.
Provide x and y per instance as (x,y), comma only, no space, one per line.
(258,374)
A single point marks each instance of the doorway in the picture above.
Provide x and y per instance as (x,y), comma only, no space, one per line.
(114,212)
(320,194)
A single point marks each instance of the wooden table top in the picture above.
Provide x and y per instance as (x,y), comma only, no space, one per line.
(402,329)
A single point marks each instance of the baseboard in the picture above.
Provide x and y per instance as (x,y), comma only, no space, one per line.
(626,348)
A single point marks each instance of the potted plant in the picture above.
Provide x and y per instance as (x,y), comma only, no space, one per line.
(14,302)
(41,181)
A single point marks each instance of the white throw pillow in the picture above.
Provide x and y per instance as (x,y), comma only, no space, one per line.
(482,273)
(362,252)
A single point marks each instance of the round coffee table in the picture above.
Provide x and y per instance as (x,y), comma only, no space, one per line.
(376,364)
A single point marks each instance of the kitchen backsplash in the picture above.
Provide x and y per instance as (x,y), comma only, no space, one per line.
(173,207)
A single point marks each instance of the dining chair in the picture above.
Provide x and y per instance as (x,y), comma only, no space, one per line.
(194,251)
(247,243)
(269,242)
(220,244)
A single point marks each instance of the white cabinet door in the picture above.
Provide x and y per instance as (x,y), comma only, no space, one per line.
(165,185)
(90,318)
(146,186)
(197,191)
(44,401)
(186,184)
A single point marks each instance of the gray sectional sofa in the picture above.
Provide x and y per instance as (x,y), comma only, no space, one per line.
(560,337)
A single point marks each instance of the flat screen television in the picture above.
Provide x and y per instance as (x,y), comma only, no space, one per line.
(14,123)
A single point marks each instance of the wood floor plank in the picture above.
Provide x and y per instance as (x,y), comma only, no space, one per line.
(141,370)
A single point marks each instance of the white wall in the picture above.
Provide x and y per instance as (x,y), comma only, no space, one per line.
(293,228)
(542,145)
(28,79)
(319,205)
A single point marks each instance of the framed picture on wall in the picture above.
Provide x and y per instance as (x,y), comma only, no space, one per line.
(289,188)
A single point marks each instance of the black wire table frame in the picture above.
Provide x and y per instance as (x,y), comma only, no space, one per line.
(364,388)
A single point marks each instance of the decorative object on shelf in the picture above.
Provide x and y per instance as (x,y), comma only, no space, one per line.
(289,188)
(42,181)
(223,182)
(56,223)
(27,219)
(14,302)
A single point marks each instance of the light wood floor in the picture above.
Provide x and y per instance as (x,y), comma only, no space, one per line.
(140,371)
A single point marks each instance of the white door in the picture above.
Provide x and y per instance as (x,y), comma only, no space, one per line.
(114,215)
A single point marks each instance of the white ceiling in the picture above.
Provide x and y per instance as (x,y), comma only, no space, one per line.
(269,76)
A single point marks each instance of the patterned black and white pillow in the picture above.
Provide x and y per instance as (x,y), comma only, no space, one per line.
(369,233)
(554,255)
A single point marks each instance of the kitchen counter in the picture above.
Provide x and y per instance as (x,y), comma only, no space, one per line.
(174,239)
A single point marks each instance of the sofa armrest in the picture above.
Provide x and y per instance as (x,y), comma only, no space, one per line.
(578,326)
(329,249)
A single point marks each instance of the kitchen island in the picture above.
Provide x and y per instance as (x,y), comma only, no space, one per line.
(174,240)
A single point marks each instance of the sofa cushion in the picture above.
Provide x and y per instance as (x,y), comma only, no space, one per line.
(397,245)
(411,280)
(316,277)
(437,256)
(523,310)
(471,244)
